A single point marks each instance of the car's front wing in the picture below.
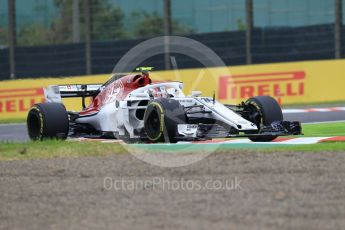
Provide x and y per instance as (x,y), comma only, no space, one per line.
(209,131)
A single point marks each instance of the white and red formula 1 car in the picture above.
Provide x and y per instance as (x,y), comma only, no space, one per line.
(132,108)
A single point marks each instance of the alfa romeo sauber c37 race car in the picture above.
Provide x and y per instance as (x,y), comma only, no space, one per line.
(132,108)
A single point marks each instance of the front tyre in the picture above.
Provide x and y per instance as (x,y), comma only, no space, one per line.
(263,110)
(48,121)
(161,119)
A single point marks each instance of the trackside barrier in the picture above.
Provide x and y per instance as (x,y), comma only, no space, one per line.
(290,83)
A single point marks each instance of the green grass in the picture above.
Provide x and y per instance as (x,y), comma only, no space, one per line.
(267,148)
(324,130)
(321,147)
(52,149)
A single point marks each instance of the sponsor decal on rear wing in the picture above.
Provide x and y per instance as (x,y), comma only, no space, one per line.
(54,93)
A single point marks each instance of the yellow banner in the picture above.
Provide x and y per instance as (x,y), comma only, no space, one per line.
(289,83)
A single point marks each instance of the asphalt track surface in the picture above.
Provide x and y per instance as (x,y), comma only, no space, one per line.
(18,133)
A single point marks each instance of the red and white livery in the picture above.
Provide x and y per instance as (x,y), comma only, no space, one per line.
(132,108)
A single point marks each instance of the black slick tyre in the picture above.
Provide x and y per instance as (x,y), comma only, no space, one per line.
(263,111)
(161,119)
(48,121)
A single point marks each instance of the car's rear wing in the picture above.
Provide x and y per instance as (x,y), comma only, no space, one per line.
(55,93)
(79,90)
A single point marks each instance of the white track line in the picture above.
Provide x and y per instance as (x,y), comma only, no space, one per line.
(302,140)
(294,141)
(314,110)
(288,111)
(238,141)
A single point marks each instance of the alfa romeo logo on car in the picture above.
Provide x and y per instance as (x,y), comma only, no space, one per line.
(115,91)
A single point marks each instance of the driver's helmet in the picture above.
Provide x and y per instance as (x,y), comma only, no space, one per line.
(141,80)
(159,92)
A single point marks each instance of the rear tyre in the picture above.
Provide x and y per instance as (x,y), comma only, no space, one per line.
(263,110)
(48,121)
(161,119)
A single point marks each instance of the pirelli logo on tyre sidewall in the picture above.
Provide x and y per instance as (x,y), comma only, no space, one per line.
(16,102)
(280,85)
